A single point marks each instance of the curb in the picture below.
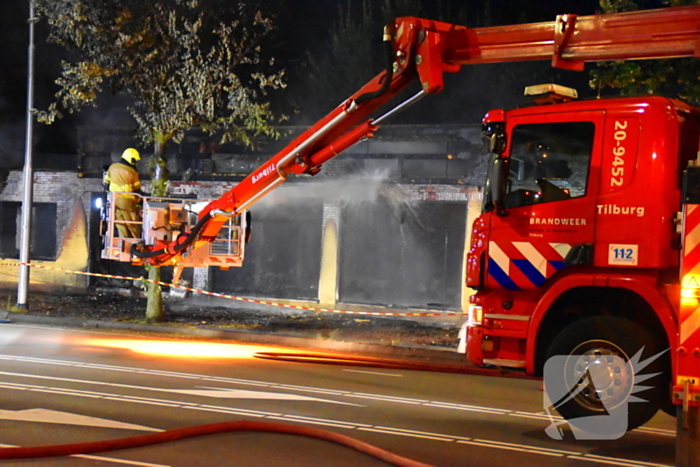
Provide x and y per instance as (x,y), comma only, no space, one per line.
(249,337)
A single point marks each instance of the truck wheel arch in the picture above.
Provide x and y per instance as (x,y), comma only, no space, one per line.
(569,299)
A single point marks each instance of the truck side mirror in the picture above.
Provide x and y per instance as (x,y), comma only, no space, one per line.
(497,173)
(497,143)
(497,181)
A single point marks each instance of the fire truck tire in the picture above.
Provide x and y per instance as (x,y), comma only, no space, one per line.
(669,408)
(602,386)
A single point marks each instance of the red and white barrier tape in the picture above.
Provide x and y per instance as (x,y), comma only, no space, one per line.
(232,297)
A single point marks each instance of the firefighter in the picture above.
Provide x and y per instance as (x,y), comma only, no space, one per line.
(123,178)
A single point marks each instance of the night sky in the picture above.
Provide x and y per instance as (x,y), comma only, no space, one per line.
(303,27)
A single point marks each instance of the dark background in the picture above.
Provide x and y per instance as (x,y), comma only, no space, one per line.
(397,253)
(303,31)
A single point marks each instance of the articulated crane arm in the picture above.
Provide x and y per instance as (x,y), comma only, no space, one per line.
(423,50)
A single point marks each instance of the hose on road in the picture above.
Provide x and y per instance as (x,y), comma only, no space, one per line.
(202,430)
(270,427)
(333,359)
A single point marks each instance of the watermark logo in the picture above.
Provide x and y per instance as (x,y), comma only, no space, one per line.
(593,391)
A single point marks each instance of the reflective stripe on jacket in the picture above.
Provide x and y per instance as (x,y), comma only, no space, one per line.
(122,177)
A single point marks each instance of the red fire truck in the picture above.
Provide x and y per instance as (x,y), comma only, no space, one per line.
(578,249)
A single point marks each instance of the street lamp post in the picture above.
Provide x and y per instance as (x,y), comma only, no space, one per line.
(28,178)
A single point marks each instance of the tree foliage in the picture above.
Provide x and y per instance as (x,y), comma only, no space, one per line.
(183,63)
(671,77)
(182,66)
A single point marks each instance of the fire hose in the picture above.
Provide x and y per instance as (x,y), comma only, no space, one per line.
(328,359)
(202,430)
(270,427)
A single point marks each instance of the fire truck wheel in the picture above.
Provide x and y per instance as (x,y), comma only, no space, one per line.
(597,384)
(669,408)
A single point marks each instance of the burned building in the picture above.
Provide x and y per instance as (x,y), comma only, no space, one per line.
(385,224)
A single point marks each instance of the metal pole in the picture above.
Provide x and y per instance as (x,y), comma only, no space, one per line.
(688,436)
(28,179)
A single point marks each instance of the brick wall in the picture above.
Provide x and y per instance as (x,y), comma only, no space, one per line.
(72,196)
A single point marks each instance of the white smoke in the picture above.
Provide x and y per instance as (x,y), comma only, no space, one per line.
(347,191)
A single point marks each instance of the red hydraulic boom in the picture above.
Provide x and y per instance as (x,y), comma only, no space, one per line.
(423,50)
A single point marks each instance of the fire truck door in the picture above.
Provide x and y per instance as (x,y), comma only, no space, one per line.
(550,198)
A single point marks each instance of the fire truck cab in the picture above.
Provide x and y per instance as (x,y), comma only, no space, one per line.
(577,250)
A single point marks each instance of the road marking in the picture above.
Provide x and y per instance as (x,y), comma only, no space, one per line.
(469,408)
(488,410)
(374,373)
(500,443)
(378,397)
(225,393)
(347,424)
(656,431)
(119,461)
(533,416)
(425,433)
(67,418)
(340,424)
(412,435)
(106,459)
(615,461)
(558,453)
(315,422)
(290,386)
(623,463)
(545,417)
(528,449)
(308,389)
(219,393)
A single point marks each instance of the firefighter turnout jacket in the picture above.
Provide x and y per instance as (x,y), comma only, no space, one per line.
(122,177)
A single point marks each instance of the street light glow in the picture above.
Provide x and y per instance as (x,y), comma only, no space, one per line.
(183,349)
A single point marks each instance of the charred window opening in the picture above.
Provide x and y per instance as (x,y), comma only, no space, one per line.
(42,245)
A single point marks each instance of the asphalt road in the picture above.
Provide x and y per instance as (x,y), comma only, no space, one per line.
(64,386)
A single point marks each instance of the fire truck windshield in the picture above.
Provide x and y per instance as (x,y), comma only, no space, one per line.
(548,162)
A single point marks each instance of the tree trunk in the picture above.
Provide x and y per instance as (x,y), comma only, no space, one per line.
(158,170)
(154,304)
